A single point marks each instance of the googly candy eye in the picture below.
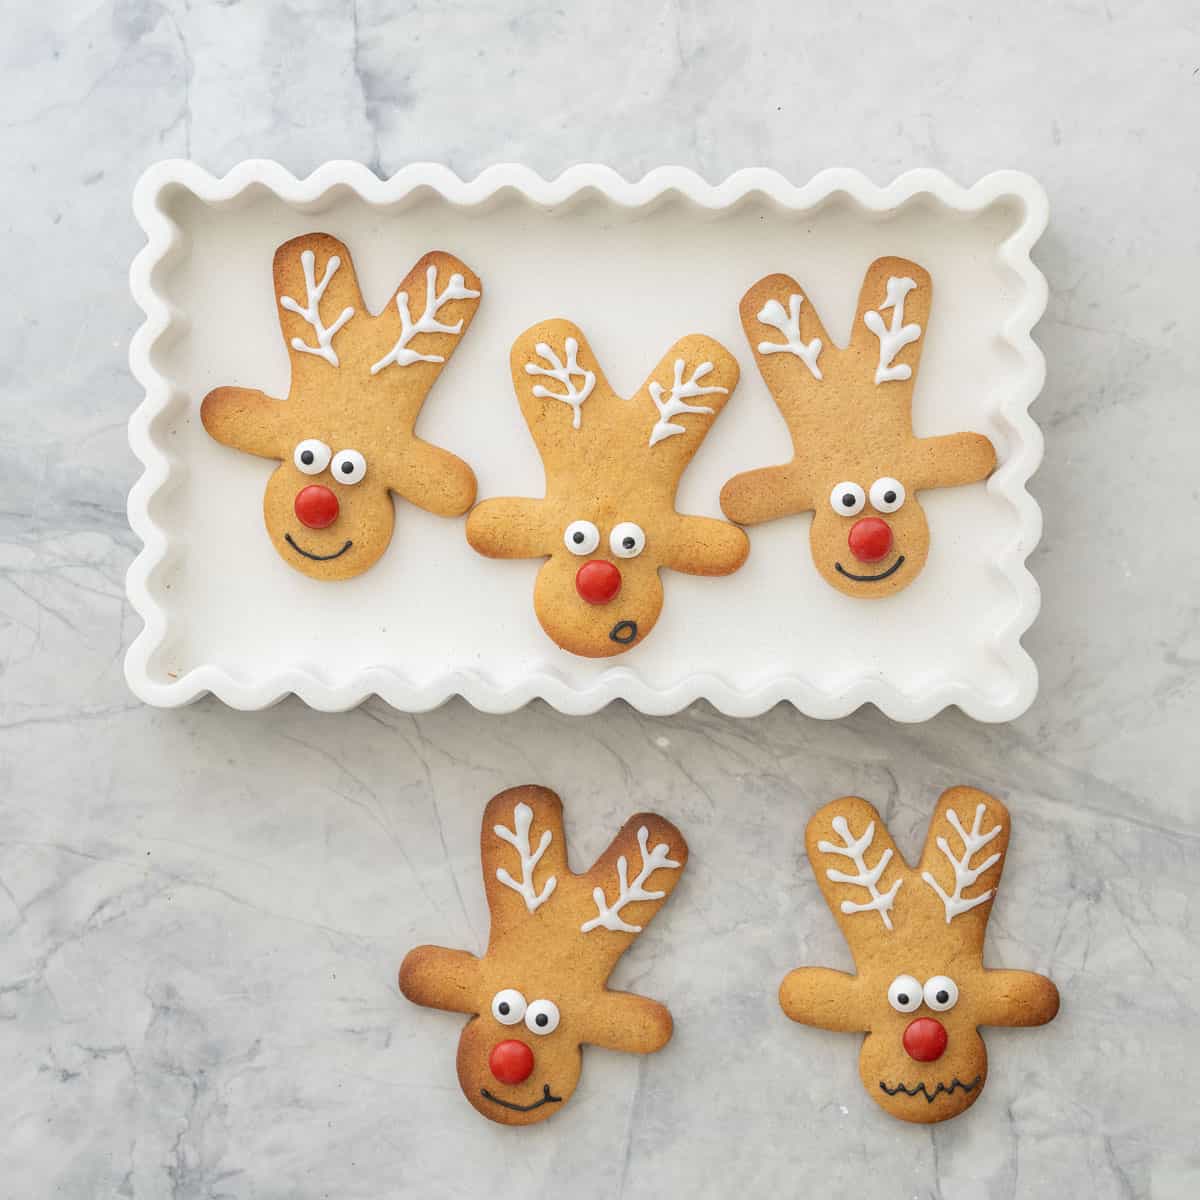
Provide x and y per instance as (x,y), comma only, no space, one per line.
(311,456)
(508,1006)
(905,994)
(848,499)
(349,466)
(887,494)
(627,540)
(581,537)
(542,1017)
(941,993)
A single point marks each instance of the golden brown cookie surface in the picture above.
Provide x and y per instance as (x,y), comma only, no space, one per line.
(344,435)
(608,521)
(921,990)
(539,993)
(857,464)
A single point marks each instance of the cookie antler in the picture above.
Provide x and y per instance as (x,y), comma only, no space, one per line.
(311,311)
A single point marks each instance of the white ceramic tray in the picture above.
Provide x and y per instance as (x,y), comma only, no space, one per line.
(635,265)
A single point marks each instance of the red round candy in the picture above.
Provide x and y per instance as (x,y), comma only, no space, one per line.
(511,1061)
(925,1039)
(870,539)
(316,506)
(598,581)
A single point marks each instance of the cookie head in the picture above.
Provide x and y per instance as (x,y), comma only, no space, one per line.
(539,993)
(344,436)
(608,523)
(921,991)
(857,465)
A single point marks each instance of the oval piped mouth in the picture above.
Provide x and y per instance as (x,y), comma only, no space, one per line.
(623,632)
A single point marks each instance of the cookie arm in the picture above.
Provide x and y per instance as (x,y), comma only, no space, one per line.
(954,459)
(623,1021)
(769,492)
(247,420)
(704,546)
(1017,998)
(824,998)
(439,978)
(512,527)
(434,479)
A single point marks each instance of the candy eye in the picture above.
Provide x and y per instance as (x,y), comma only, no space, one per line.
(848,499)
(349,466)
(887,494)
(508,1006)
(311,456)
(542,1017)
(627,540)
(581,537)
(941,993)
(905,994)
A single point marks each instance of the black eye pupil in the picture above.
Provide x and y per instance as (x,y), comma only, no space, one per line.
(577,538)
(347,468)
(541,1019)
(629,543)
(503,1008)
(307,457)
(903,997)
(889,497)
(848,500)
(943,996)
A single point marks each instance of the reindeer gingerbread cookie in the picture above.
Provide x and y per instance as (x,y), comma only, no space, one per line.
(921,990)
(857,464)
(539,992)
(344,436)
(608,522)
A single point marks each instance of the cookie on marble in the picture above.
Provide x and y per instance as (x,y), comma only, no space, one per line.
(344,436)
(539,992)
(856,465)
(608,522)
(920,991)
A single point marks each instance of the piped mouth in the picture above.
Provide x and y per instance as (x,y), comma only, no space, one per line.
(921,1089)
(287,537)
(870,578)
(623,632)
(546,1099)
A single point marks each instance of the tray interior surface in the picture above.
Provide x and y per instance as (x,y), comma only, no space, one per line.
(432,610)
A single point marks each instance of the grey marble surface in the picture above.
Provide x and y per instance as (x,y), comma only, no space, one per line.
(201,912)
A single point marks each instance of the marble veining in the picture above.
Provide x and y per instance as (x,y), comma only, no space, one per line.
(202,912)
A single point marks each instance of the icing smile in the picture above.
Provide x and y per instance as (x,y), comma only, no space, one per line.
(871,578)
(287,537)
(921,1089)
(546,1099)
(623,632)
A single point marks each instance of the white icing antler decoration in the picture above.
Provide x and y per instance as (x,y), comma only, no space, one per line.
(892,339)
(312,314)
(674,404)
(867,877)
(518,838)
(964,874)
(652,860)
(789,325)
(400,354)
(563,372)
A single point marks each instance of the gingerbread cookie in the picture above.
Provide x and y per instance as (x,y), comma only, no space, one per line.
(344,436)
(921,990)
(608,522)
(539,992)
(857,464)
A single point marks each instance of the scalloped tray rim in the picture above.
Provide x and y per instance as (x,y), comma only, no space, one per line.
(163,237)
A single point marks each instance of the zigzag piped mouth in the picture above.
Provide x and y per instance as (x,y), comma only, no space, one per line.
(921,1089)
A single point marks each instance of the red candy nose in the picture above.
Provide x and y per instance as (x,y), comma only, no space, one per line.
(925,1039)
(316,506)
(511,1061)
(598,581)
(870,539)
